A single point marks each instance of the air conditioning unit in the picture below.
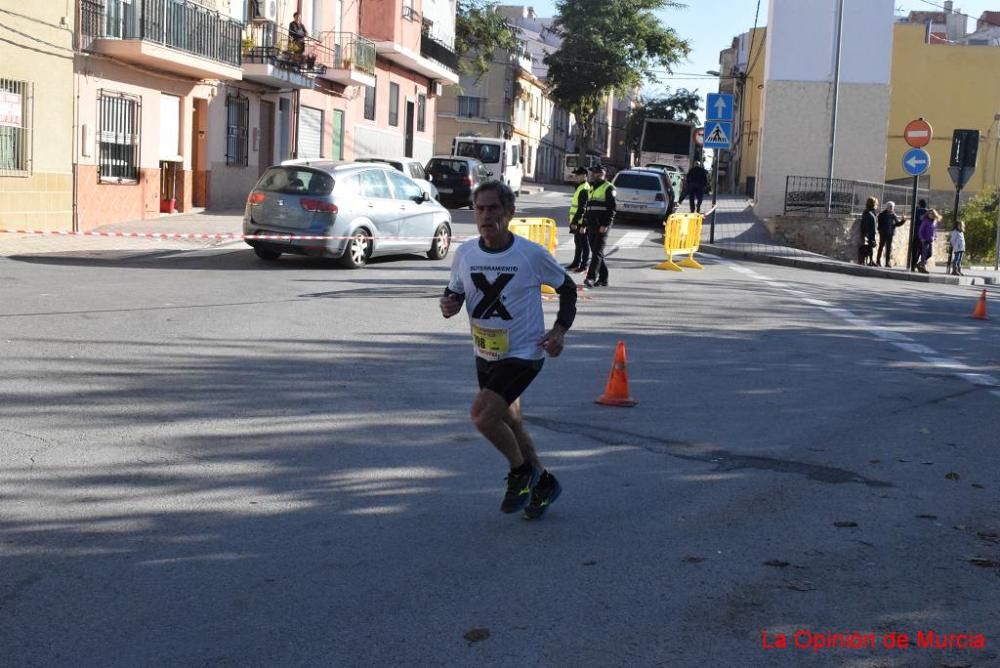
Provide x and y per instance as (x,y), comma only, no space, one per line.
(267,10)
(436,89)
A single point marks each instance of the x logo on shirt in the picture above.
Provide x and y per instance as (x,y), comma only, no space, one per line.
(490,305)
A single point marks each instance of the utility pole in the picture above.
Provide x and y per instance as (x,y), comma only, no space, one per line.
(836,95)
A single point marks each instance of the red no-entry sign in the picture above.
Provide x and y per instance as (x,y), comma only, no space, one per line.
(918,133)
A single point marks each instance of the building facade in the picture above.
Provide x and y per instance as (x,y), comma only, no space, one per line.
(925,85)
(798,94)
(36,117)
(184,104)
(741,67)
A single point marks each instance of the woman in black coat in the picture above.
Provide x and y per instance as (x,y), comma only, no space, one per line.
(869,223)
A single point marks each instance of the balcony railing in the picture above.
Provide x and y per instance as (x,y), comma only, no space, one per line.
(348,51)
(178,24)
(435,50)
(268,44)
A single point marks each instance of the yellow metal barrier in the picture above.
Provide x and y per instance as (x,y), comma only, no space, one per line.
(681,234)
(543,232)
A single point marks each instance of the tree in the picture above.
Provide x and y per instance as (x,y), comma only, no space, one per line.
(480,30)
(607,46)
(681,105)
(980,218)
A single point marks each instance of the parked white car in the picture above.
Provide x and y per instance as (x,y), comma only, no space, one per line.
(412,168)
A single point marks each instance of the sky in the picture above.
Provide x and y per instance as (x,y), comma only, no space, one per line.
(710,25)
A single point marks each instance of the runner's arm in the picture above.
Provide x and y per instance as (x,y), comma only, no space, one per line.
(554,340)
(567,304)
(451,302)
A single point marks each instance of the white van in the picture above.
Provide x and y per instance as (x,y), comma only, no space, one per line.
(500,156)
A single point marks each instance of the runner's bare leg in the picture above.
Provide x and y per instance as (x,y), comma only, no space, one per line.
(524,442)
(492,417)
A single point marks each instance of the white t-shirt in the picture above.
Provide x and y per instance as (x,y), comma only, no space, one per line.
(957,240)
(503,296)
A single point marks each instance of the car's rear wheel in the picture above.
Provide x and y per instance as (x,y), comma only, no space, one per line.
(268,254)
(359,249)
(442,243)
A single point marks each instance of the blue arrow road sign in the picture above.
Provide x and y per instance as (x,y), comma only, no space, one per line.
(719,107)
(718,134)
(916,161)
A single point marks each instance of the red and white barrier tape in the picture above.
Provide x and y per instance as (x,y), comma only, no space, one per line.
(218,236)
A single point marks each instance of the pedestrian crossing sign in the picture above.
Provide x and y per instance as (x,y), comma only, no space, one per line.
(718,134)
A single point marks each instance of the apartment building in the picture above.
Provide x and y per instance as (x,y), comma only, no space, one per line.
(36,117)
(147,72)
(184,103)
(921,52)
(511,101)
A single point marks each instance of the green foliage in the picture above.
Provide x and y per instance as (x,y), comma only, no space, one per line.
(681,105)
(980,218)
(481,30)
(608,46)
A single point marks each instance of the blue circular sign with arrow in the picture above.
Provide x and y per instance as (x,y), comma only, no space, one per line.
(916,161)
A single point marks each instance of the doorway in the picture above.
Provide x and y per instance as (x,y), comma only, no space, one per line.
(266,141)
(408,130)
(199,154)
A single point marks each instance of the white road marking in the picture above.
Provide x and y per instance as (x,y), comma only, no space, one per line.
(632,239)
(897,339)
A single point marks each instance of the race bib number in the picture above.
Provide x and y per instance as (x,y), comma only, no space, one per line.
(491,342)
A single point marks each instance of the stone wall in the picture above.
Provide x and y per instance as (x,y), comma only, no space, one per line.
(840,237)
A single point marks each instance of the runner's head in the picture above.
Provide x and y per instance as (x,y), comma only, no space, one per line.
(493,205)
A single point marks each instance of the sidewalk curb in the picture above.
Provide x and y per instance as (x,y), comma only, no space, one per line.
(837,267)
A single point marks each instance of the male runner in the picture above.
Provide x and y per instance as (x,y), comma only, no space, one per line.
(499,277)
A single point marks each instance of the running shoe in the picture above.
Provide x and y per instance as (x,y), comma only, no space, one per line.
(587,283)
(519,488)
(546,491)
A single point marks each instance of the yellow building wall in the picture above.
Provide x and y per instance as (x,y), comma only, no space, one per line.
(752,110)
(38,49)
(951,87)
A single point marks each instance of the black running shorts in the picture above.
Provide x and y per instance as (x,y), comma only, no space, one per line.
(507,377)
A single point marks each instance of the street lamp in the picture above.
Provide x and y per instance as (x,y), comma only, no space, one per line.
(713,73)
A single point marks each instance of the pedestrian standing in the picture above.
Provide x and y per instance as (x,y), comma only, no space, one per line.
(888,221)
(869,224)
(599,217)
(958,248)
(917,247)
(696,182)
(499,278)
(297,33)
(928,228)
(577,205)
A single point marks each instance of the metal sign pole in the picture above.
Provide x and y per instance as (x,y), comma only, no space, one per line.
(715,189)
(914,223)
(836,95)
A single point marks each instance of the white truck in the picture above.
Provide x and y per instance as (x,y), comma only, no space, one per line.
(667,144)
(500,156)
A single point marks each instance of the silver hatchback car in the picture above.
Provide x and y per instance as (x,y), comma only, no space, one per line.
(367,209)
(643,193)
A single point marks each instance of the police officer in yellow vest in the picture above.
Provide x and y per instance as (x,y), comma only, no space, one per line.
(599,217)
(577,205)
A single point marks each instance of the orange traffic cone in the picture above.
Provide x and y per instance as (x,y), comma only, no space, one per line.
(979,313)
(616,392)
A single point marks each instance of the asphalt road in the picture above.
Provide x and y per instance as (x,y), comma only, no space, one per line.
(206,460)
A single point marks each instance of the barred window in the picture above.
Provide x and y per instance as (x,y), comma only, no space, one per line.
(15,127)
(237,126)
(468,106)
(394,104)
(118,154)
(421,113)
(370,102)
